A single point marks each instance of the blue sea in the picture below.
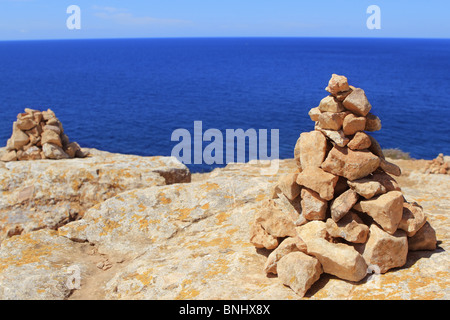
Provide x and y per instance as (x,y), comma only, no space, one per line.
(129,95)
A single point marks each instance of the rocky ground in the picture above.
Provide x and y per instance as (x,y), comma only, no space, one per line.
(134,228)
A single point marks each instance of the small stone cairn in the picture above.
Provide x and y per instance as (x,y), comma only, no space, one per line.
(341,212)
(39,135)
(439,165)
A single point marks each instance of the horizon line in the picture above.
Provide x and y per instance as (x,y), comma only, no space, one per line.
(225,37)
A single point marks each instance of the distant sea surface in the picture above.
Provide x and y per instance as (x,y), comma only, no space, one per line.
(129,95)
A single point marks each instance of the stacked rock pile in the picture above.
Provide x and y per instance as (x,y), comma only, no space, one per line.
(341,212)
(39,135)
(440,165)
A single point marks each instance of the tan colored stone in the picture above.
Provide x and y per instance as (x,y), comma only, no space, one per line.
(276,222)
(47,115)
(312,149)
(342,204)
(52,137)
(313,206)
(312,230)
(384,250)
(337,84)
(319,181)
(360,141)
(291,207)
(338,137)
(32,153)
(386,210)
(54,128)
(9,156)
(330,104)
(357,102)
(288,186)
(71,149)
(330,120)
(350,164)
(25,124)
(338,259)
(373,123)
(375,147)
(314,114)
(261,239)
(353,124)
(424,239)
(390,168)
(299,272)
(386,180)
(19,138)
(291,244)
(413,218)
(350,228)
(367,187)
(52,151)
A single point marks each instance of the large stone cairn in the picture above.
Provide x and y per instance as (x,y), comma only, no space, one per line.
(341,212)
(39,135)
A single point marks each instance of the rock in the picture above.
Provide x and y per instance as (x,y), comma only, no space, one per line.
(384,250)
(342,204)
(25,124)
(35,266)
(353,124)
(423,239)
(52,137)
(276,222)
(390,168)
(312,230)
(54,128)
(52,151)
(49,194)
(330,121)
(261,239)
(360,141)
(350,164)
(32,153)
(9,156)
(314,114)
(288,186)
(338,137)
(71,149)
(299,272)
(319,181)
(208,256)
(313,207)
(375,147)
(357,102)
(330,104)
(312,149)
(337,84)
(287,246)
(47,115)
(19,138)
(350,228)
(338,259)
(386,210)
(367,187)
(413,218)
(386,181)
(373,123)
(290,207)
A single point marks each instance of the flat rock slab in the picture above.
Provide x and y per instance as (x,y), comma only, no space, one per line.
(200,249)
(50,193)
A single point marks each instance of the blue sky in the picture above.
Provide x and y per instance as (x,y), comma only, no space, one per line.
(46,19)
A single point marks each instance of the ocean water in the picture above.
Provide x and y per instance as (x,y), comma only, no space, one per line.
(129,95)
